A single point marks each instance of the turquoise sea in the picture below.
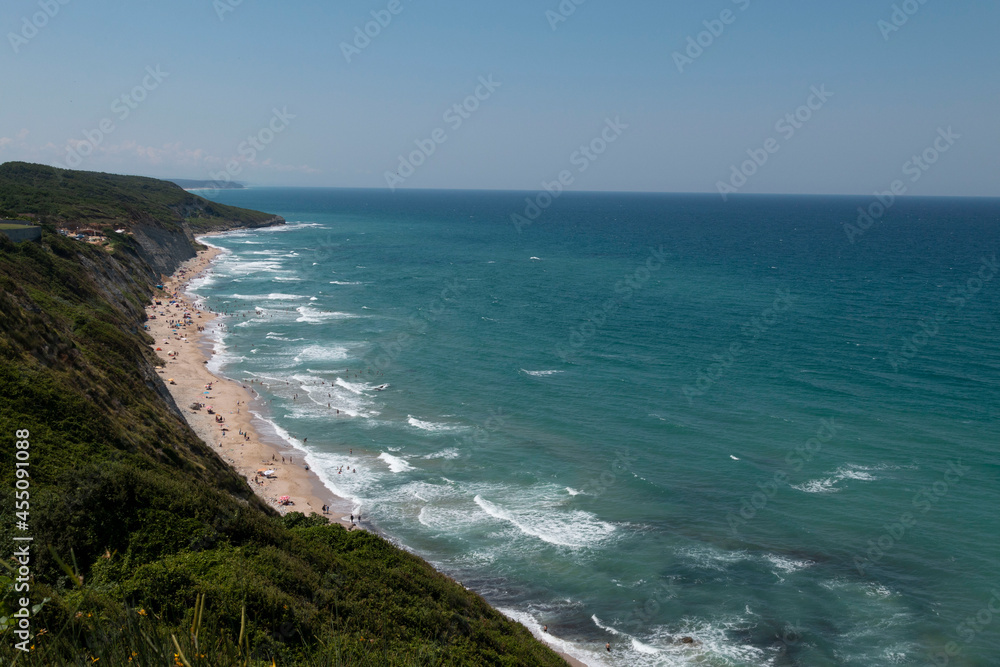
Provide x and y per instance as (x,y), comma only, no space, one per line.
(648,417)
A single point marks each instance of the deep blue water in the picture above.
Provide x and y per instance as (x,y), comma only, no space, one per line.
(644,417)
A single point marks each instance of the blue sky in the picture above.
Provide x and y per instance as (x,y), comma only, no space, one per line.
(223,78)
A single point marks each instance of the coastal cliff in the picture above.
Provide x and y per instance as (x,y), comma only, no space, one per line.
(146,547)
(160,216)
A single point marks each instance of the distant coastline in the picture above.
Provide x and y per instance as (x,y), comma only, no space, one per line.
(191,184)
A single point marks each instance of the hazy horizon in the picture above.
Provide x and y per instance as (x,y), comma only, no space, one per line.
(733,96)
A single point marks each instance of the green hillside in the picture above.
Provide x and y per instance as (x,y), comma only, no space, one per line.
(149,549)
(90,199)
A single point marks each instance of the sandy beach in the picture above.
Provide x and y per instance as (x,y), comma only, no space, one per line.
(232,431)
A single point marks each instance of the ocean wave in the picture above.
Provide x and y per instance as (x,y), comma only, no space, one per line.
(540,373)
(322,353)
(786,564)
(636,644)
(573,492)
(273,335)
(829,484)
(711,558)
(432,426)
(288,227)
(345,282)
(273,296)
(395,463)
(444,454)
(358,388)
(314,316)
(573,529)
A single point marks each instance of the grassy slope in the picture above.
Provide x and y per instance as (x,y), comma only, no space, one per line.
(97,200)
(151,518)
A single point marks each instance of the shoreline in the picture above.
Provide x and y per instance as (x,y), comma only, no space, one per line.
(236,402)
(184,353)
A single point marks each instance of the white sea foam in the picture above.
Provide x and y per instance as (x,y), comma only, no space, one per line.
(829,484)
(569,648)
(817,486)
(344,282)
(539,373)
(273,335)
(786,564)
(712,558)
(273,296)
(314,316)
(636,644)
(358,388)
(395,463)
(322,353)
(572,529)
(444,454)
(573,492)
(432,426)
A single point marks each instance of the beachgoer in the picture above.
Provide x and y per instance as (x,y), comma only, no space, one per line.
(608,647)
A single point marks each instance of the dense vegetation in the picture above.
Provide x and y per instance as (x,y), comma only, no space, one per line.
(149,549)
(89,199)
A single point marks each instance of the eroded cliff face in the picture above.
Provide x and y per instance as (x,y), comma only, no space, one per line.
(165,249)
